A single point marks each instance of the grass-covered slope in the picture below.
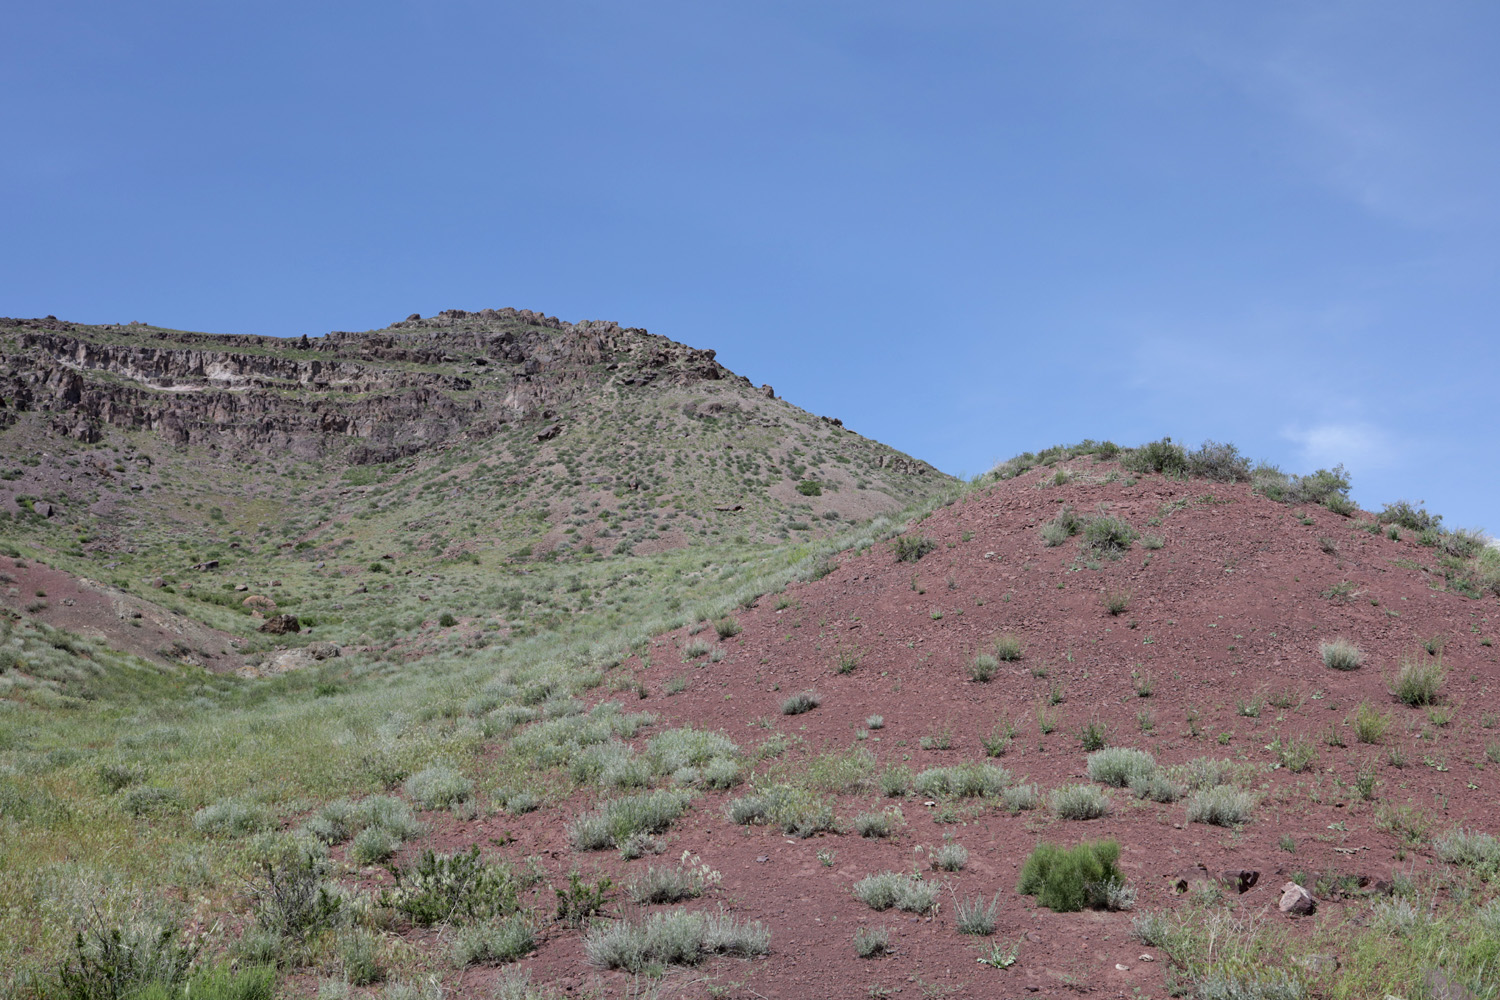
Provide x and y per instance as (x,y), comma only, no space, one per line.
(651,758)
(372,483)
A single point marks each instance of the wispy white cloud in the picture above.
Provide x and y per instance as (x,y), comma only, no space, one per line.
(1370,101)
(1363,444)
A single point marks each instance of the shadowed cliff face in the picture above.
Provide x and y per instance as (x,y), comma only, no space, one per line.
(421,382)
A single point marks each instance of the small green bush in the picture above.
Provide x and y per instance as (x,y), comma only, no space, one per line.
(1108,536)
(458,888)
(372,846)
(617,820)
(970,780)
(673,937)
(810,488)
(1221,805)
(216,983)
(727,627)
(1341,654)
(1008,648)
(1119,766)
(438,787)
(333,823)
(1369,724)
(1064,526)
(1296,755)
(950,858)
(975,916)
(1060,877)
(1158,456)
(872,942)
(1341,505)
(910,548)
(446,620)
(292,900)
(148,800)
(1155,787)
(904,892)
(388,813)
(982,667)
(1078,802)
(1418,681)
(1020,797)
(804,701)
(359,953)
(581,900)
(1413,517)
(116,962)
(506,940)
(667,884)
(1220,462)
(671,751)
(1470,849)
(796,811)
(875,824)
(231,817)
(895,780)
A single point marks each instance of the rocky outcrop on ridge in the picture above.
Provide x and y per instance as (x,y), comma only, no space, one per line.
(383,394)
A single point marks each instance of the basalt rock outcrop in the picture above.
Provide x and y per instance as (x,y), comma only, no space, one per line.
(372,396)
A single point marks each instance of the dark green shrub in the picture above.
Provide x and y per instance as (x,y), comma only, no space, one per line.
(804,701)
(1094,735)
(447,620)
(1329,487)
(1108,536)
(982,667)
(1461,544)
(582,900)
(616,821)
(872,942)
(1064,526)
(1411,517)
(1418,681)
(1060,877)
(360,955)
(1321,486)
(1158,456)
(1220,462)
(217,983)
(910,548)
(1341,505)
(457,887)
(291,898)
(114,963)
(810,488)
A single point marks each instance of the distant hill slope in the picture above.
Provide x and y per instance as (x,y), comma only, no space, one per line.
(501,434)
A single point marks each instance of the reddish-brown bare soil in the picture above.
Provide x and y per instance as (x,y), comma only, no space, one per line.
(1229,611)
(120,620)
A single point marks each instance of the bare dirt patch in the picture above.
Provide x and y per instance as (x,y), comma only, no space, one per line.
(119,619)
(1215,654)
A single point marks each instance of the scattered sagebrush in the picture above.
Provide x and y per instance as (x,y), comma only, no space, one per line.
(1078,802)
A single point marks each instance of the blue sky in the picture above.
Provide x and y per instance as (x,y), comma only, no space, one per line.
(966,229)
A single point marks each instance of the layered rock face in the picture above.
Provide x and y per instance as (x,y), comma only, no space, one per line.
(374,396)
